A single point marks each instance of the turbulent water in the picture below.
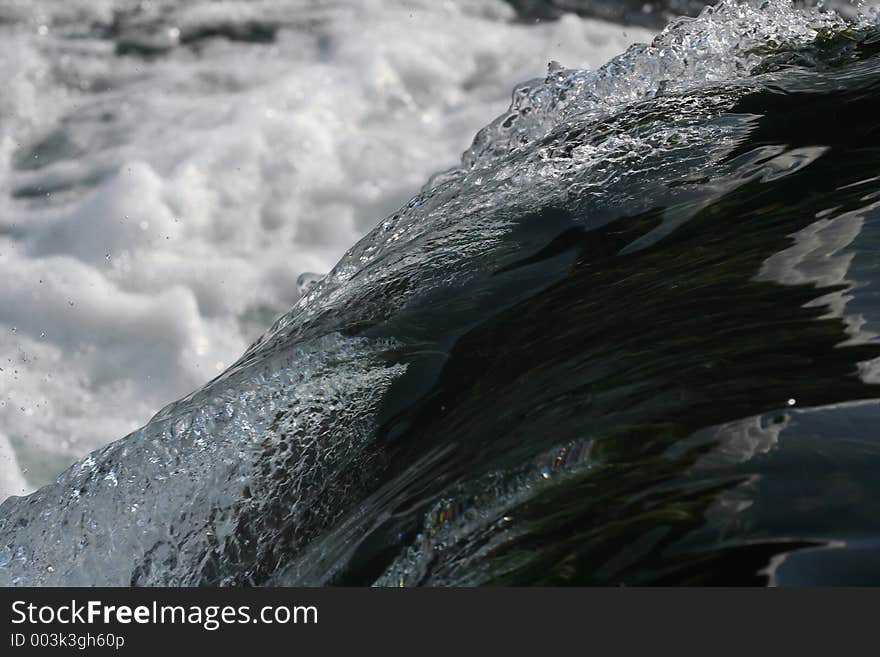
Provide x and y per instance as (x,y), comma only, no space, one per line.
(168,169)
(630,339)
(654,13)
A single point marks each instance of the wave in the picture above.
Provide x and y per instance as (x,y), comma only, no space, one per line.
(628,340)
(157,204)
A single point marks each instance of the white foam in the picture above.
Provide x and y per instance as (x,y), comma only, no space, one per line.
(199,184)
(12,481)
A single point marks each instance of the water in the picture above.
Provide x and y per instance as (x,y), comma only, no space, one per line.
(655,13)
(630,339)
(169,169)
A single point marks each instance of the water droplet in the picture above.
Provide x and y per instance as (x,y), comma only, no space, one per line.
(306,281)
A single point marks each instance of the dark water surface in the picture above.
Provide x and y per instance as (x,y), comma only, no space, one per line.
(723,391)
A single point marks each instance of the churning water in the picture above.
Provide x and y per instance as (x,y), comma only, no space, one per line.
(629,339)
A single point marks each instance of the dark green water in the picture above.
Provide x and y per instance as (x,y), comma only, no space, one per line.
(709,356)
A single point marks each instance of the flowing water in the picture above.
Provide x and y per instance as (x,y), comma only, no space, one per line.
(630,339)
(168,170)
